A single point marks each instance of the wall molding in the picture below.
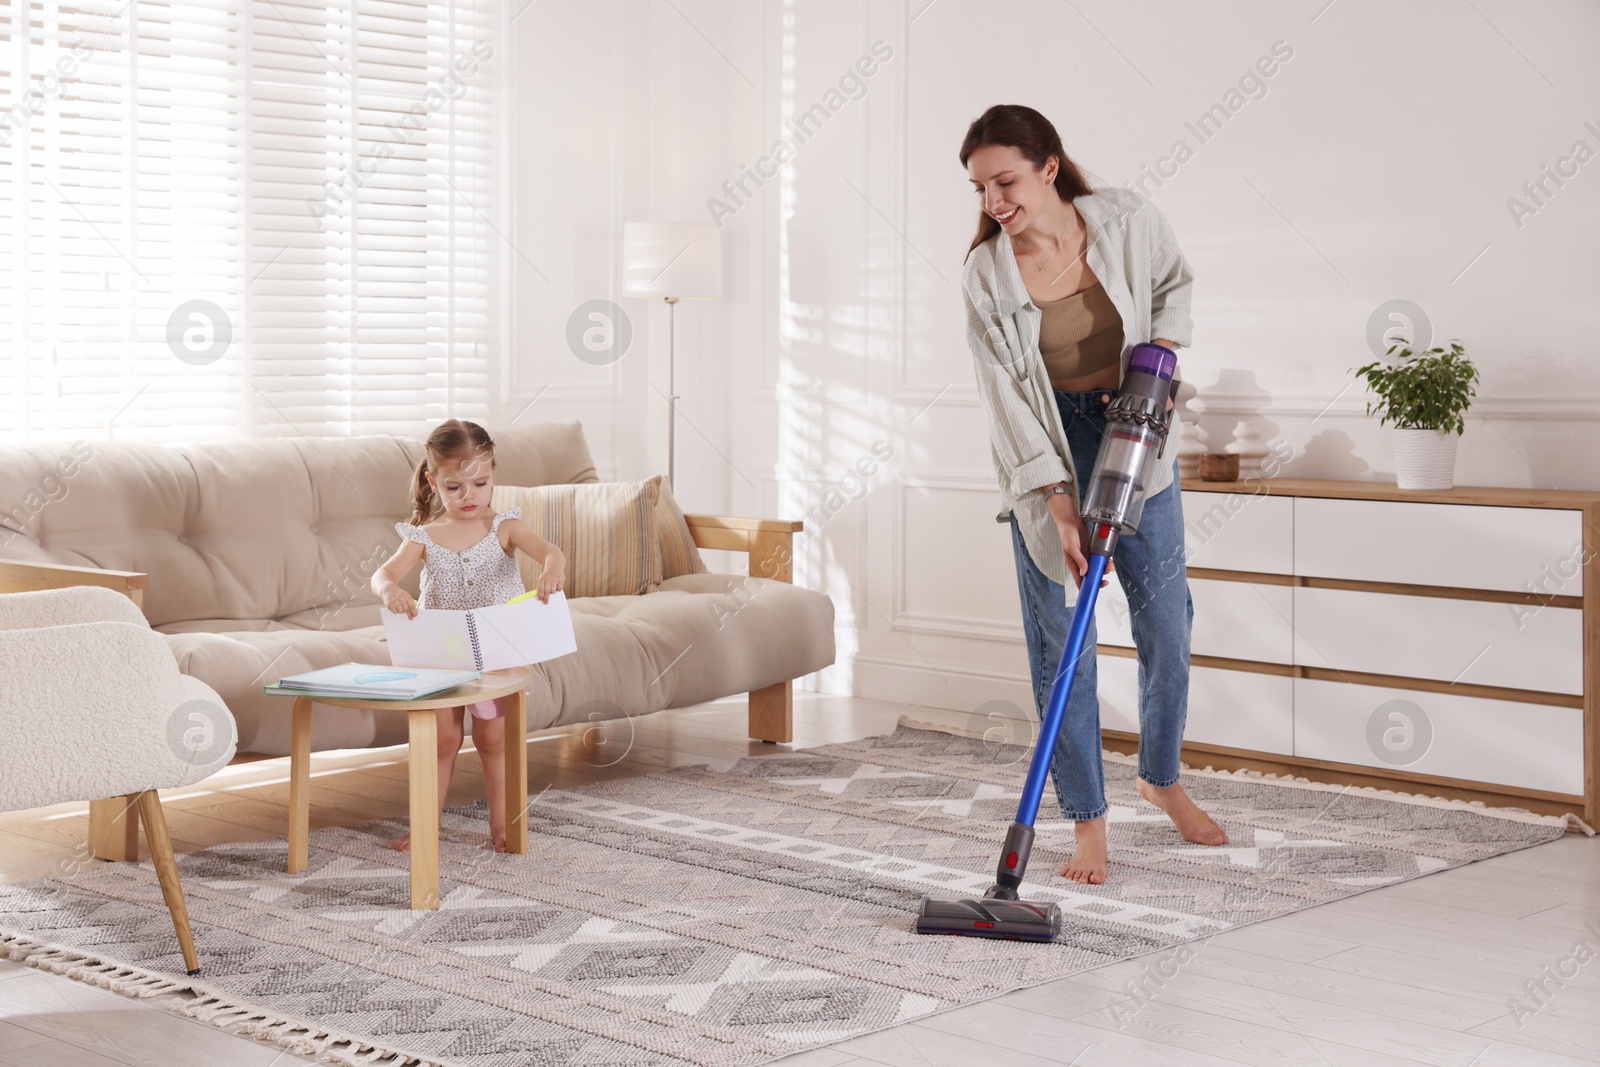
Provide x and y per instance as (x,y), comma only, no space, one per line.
(936,625)
(922,396)
(961,689)
(856,538)
(516,362)
(905,619)
(1354,405)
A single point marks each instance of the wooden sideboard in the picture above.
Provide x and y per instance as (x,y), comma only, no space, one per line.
(1444,643)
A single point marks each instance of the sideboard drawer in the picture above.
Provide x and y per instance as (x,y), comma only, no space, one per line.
(1466,546)
(1236,709)
(1504,742)
(1522,646)
(1239,531)
(1236,620)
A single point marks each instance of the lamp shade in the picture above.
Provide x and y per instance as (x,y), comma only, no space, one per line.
(672,259)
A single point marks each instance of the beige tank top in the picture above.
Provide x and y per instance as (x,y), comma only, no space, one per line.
(1079,334)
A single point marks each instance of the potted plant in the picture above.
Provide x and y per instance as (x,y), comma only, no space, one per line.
(1426,396)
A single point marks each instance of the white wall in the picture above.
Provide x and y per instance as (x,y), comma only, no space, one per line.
(1376,166)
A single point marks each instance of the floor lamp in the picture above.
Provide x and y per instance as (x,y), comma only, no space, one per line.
(671,261)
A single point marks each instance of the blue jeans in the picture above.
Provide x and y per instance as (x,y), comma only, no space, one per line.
(1150,567)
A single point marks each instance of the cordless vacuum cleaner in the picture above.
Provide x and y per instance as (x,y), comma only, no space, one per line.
(1135,437)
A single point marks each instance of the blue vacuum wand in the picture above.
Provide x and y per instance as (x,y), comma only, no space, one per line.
(1136,433)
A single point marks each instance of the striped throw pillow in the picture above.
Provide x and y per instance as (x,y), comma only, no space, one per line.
(679,554)
(607,530)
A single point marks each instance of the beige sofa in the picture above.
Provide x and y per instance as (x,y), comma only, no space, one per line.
(252,558)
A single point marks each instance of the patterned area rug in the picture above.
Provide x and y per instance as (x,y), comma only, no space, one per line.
(725,914)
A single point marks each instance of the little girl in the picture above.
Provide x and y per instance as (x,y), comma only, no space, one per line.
(471,563)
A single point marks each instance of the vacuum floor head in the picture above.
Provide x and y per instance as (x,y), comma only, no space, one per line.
(1013,920)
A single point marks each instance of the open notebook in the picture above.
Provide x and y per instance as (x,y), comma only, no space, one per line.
(485,639)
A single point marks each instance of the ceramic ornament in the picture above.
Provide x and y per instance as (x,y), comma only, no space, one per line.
(1248,445)
(1191,446)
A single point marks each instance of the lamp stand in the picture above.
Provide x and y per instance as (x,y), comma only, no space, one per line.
(672,388)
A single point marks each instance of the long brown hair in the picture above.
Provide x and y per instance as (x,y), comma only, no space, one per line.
(1021,127)
(452,443)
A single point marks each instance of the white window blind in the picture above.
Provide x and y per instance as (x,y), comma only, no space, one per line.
(228,218)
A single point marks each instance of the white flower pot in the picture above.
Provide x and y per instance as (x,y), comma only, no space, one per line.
(1424,459)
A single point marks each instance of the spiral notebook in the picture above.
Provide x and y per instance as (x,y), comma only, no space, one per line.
(370,680)
(485,639)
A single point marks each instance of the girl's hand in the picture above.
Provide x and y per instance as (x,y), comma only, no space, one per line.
(399,601)
(550,581)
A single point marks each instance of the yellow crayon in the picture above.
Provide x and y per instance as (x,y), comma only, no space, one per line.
(523,596)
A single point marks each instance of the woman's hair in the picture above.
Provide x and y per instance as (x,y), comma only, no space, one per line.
(1021,127)
(452,443)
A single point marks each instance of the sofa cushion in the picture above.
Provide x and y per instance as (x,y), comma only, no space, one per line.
(242,530)
(607,531)
(698,638)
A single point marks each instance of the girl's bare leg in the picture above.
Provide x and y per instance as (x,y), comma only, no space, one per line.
(450,734)
(489,737)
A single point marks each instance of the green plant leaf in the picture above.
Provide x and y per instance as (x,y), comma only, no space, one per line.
(1430,390)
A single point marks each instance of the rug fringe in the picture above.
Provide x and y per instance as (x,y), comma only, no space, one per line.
(1570,821)
(207,1005)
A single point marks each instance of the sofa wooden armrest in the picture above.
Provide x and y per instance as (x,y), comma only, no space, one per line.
(18,577)
(769,544)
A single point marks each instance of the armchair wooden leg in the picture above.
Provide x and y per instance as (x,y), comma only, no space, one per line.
(772,713)
(155,831)
(114,828)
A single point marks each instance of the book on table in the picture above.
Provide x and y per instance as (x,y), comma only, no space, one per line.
(374,681)
(513,634)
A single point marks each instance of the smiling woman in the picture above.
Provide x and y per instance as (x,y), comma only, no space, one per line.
(1061,282)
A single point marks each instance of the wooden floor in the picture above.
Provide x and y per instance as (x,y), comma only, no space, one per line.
(1419,973)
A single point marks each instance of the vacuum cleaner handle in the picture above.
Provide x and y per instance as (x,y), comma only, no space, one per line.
(1055,711)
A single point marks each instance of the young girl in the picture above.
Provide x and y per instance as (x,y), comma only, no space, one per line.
(470,563)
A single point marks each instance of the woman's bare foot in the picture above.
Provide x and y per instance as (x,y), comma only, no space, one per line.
(1193,824)
(1088,863)
(401,844)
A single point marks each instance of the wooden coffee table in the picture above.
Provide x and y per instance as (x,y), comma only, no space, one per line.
(424,770)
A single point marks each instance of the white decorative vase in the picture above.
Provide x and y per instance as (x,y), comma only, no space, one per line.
(1191,438)
(1191,446)
(1247,445)
(1424,459)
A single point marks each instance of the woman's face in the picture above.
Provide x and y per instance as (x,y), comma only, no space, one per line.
(1010,189)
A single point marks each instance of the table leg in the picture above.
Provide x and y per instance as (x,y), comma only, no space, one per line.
(299,785)
(517,774)
(424,808)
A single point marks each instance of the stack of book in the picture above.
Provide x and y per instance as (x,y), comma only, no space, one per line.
(371,681)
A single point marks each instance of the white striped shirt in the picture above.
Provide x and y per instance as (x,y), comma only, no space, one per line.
(1134,255)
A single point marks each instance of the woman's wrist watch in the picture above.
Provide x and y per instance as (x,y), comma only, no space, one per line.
(1059,487)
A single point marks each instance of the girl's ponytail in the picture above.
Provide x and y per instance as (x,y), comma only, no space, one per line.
(421,494)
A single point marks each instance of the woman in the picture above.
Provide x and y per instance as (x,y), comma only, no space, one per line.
(1060,283)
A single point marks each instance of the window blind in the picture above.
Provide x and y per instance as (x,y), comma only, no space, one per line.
(229,218)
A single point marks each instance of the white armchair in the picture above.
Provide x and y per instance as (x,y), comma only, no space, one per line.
(93,707)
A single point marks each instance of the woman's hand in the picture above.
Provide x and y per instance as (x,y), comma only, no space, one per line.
(1074,537)
(551,580)
(399,601)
